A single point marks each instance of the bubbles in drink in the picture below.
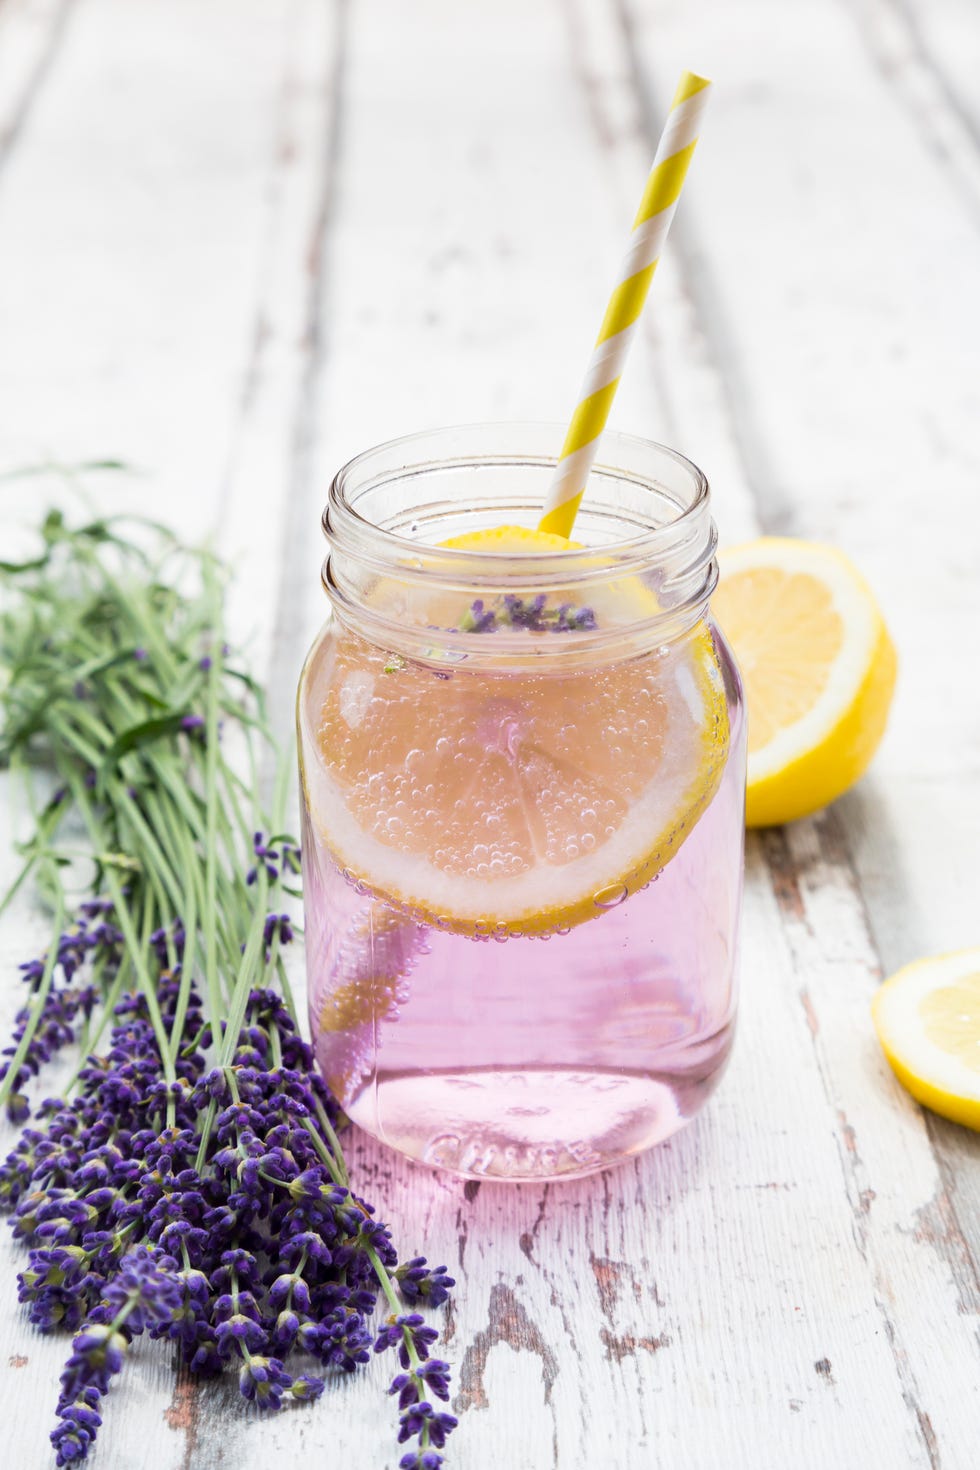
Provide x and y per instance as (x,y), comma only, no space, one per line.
(611,897)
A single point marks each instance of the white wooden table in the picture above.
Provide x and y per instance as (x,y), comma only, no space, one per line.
(242,239)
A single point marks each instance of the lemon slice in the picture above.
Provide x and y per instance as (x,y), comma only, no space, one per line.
(928,1021)
(508,539)
(818,668)
(514,801)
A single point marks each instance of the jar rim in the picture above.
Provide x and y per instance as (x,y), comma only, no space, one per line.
(340,515)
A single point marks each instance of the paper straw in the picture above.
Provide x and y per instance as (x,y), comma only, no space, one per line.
(663,187)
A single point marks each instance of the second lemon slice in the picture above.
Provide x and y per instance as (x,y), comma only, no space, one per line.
(928,1021)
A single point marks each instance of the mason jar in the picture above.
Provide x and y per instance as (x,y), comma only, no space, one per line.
(523,770)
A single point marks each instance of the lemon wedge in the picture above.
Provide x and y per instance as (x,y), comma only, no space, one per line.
(928,1021)
(514,800)
(818,668)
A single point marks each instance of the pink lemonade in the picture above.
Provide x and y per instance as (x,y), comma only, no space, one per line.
(522,834)
(549,1054)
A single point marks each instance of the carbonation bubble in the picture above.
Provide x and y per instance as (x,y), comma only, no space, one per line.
(609,898)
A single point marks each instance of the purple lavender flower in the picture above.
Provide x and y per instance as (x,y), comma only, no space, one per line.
(53,1029)
(266,857)
(97,1353)
(534,614)
(337,1336)
(285,1332)
(481,619)
(237,1333)
(306,1388)
(399,1331)
(421,1460)
(263,1381)
(78,1424)
(277,924)
(421,1417)
(421,1282)
(257,1255)
(145,1287)
(291,1287)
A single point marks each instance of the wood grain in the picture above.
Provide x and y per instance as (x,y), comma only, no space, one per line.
(239,243)
(31,35)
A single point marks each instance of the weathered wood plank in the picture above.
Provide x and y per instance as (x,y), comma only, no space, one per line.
(486,1316)
(947,39)
(174,333)
(786,1282)
(31,34)
(908,877)
(923,55)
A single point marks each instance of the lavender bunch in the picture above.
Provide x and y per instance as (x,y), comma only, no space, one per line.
(189,1184)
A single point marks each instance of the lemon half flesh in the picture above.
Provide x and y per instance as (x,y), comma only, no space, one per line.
(818,667)
(928,1021)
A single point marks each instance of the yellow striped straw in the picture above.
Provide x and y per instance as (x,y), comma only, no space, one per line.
(663,187)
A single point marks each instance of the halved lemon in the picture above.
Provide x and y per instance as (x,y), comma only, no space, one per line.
(514,801)
(928,1021)
(818,667)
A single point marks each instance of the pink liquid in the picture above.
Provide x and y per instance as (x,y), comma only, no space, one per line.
(534,1057)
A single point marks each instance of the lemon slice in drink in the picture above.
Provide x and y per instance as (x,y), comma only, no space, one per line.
(928,1021)
(518,800)
(508,539)
(818,667)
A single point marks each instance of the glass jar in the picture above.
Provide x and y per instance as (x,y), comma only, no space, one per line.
(523,779)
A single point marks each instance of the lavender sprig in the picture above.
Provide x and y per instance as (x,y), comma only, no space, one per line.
(189,1185)
(535,614)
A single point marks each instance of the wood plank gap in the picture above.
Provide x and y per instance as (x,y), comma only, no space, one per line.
(773,507)
(38,75)
(775,514)
(950,1241)
(942,1223)
(893,41)
(289,608)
